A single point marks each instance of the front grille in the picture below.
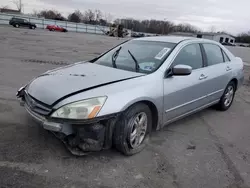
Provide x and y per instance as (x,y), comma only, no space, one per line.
(36,106)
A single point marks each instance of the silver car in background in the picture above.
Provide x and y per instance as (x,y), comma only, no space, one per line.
(141,85)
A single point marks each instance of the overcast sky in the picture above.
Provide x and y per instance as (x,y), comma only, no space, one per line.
(228,15)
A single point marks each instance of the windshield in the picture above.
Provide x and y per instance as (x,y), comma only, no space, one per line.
(146,55)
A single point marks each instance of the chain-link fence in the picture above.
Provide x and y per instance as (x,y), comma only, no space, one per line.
(70,26)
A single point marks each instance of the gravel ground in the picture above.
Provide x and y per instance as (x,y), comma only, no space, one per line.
(33,157)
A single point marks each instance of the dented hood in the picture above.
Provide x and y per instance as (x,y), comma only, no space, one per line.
(56,84)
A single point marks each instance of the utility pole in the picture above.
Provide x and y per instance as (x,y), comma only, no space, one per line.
(21,6)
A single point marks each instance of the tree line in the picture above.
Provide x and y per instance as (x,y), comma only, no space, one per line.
(156,26)
(243,37)
(98,17)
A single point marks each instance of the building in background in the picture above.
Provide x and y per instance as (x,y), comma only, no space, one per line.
(9,11)
(219,36)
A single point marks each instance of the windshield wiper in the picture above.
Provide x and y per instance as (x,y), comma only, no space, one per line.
(136,62)
(114,57)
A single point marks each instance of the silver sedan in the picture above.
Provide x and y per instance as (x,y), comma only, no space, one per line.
(139,86)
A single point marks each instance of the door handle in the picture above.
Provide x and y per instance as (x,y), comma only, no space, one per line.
(202,77)
(228,68)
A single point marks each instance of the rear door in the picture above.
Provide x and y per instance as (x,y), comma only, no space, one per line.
(184,94)
(218,71)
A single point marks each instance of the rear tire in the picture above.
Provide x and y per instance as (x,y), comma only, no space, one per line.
(16,25)
(227,97)
(133,129)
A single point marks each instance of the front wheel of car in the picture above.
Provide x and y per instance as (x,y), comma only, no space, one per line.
(227,97)
(132,130)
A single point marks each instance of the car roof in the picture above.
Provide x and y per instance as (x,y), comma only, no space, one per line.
(15,18)
(173,39)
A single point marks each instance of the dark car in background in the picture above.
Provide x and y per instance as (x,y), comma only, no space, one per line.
(20,22)
(137,35)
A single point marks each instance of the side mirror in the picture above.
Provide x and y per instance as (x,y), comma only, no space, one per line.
(181,70)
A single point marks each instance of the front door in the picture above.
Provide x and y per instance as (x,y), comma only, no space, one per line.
(183,94)
(25,23)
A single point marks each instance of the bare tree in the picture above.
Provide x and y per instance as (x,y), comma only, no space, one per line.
(18,4)
(98,15)
(243,37)
(212,29)
(108,17)
(76,16)
(89,16)
(50,14)
(34,13)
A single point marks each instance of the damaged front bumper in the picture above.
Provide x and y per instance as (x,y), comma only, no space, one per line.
(80,137)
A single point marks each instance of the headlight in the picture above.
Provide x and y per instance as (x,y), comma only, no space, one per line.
(85,109)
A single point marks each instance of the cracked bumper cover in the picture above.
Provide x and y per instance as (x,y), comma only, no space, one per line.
(80,137)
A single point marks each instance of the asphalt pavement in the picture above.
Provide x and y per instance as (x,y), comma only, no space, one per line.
(210,149)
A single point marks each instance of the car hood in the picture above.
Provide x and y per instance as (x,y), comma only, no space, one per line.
(54,85)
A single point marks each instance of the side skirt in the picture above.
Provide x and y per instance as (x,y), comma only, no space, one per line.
(191,112)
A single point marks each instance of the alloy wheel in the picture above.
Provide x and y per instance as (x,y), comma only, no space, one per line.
(229,96)
(138,129)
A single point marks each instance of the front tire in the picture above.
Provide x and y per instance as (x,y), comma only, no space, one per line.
(227,97)
(133,129)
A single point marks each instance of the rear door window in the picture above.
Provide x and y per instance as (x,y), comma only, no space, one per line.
(18,20)
(213,53)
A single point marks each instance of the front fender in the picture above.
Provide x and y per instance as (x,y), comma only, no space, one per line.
(137,100)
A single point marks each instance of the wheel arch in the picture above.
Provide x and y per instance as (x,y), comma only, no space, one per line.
(153,108)
(235,80)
